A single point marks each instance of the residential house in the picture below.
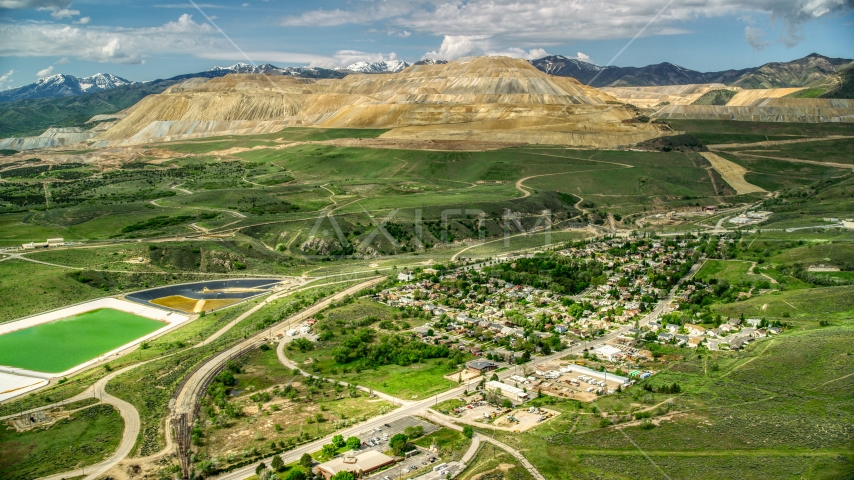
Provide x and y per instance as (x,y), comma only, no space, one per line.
(694,329)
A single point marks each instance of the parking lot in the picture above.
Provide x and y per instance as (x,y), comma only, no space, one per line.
(381,435)
(417,461)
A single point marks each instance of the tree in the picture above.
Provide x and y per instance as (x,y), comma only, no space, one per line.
(260,468)
(295,474)
(306,460)
(468,431)
(343,476)
(277,464)
(413,431)
(494,377)
(329,450)
(353,443)
(338,441)
(398,443)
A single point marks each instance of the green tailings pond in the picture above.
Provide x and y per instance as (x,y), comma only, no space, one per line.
(59,345)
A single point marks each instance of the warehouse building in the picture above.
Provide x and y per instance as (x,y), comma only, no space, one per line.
(509,391)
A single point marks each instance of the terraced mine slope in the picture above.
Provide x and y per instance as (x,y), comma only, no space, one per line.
(649,97)
(495,99)
(768,109)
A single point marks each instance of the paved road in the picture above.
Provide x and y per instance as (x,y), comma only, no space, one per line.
(194,387)
(131,431)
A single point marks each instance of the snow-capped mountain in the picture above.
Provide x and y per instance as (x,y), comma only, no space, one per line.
(391,66)
(101,81)
(63,86)
(246,68)
(306,72)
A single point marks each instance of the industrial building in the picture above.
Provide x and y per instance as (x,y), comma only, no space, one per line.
(595,374)
(509,390)
(607,352)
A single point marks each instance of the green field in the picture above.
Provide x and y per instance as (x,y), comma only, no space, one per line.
(85,438)
(838,151)
(733,271)
(59,345)
(716,132)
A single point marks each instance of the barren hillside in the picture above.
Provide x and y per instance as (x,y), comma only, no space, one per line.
(482,99)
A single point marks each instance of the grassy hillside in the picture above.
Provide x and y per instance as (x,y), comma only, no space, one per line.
(846,86)
(716,97)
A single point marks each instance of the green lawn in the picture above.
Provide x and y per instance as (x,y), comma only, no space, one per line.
(85,438)
(59,345)
(414,382)
(451,443)
(732,271)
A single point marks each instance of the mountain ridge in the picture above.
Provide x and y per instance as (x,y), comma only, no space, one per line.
(811,70)
(61,85)
(391,66)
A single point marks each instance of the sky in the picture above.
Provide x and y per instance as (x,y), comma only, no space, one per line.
(146,40)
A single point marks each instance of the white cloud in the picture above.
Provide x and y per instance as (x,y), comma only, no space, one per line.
(58,9)
(83,21)
(456,46)
(538,23)
(403,34)
(40,4)
(62,61)
(755,37)
(583,57)
(45,72)
(64,13)
(6,78)
(102,44)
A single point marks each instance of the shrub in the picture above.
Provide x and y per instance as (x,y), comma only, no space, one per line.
(296,474)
